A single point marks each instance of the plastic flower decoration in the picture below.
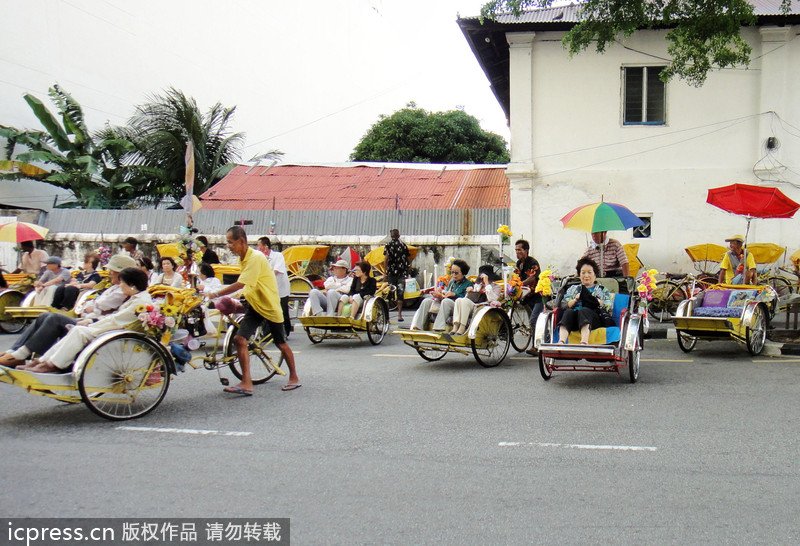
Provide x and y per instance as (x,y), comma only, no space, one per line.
(104,254)
(443,281)
(505,233)
(646,284)
(155,322)
(513,289)
(545,284)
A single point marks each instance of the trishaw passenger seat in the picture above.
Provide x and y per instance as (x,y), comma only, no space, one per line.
(609,283)
(604,336)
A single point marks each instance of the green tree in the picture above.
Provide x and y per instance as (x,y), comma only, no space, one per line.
(413,135)
(89,165)
(704,35)
(160,130)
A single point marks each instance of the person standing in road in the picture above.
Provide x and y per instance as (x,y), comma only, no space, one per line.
(263,309)
(209,256)
(397,255)
(278,264)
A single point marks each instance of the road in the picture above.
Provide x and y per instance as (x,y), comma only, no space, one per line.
(379,446)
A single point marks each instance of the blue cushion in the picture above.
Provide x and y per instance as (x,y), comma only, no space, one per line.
(620,303)
(718,312)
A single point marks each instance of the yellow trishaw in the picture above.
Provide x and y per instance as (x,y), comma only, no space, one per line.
(298,260)
(722,311)
(19,286)
(373,320)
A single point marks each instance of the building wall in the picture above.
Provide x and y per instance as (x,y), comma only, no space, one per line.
(569,146)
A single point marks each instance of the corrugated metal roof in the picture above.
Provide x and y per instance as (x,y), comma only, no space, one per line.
(571,13)
(314,187)
(286,222)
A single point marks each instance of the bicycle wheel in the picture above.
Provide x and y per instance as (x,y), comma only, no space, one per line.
(429,353)
(492,339)
(262,367)
(9,325)
(781,286)
(545,367)
(757,335)
(520,327)
(124,378)
(315,335)
(379,326)
(666,298)
(686,342)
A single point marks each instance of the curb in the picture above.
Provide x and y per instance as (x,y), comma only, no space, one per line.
(792,349)
(656,334)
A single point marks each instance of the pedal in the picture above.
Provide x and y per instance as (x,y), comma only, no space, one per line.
(224,381)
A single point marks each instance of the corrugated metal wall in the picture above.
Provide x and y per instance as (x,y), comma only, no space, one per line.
(328,222)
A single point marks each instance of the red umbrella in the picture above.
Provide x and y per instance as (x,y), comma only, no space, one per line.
(350,256)
(752,201)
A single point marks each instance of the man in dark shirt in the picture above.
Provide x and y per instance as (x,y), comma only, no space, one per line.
(397,254)
(209,256)
(528,270)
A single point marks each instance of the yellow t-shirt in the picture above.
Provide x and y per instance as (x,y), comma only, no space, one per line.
(729,272)
(260,286)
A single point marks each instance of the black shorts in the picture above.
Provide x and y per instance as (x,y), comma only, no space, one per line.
(252,320)
(399,283)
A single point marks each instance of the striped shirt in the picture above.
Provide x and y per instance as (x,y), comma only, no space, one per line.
(614,257)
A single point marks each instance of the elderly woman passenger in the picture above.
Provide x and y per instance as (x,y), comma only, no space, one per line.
(336,286)
(582,303)
(457,288)
(483,291)
(133,282)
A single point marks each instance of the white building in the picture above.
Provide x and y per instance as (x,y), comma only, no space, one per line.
(581,131)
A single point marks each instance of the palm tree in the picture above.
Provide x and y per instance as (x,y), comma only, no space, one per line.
(91,166)
(160,130)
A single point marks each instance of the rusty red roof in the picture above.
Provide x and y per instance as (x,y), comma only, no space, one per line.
(359,187)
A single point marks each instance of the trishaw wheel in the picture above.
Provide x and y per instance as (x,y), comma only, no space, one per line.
(314,334)
(492,339)
(544,367)
(521,327)
(7,324)
(262,368)
(377,328)
(125,378)
(757,335)
(634,357)
(666,298)
(430,354)
(686,342)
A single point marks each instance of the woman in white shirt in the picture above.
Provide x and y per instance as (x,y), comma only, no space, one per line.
(336,286)
(169,274)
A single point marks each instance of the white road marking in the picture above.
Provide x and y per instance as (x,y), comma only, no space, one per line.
(578,446)
(667,360)
(396,356)
(776,360)
(185,431)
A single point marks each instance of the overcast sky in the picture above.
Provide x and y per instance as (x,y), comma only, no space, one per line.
(308,78)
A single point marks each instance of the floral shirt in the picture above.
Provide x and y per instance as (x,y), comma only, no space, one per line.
(602,295)
(397,254)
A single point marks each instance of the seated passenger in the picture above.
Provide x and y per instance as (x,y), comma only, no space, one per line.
(337,285)
(207,282)
(457,288)
(133,282)
(483,291)
(732,268)
(39,336)
(169,275)
(146,264)
(53,277)
(363,286)
(582,304)
(67,294)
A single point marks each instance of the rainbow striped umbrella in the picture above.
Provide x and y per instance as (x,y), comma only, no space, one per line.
(18,232)
(601,216)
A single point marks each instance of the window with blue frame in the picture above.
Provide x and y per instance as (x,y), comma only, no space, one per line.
(644,100)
